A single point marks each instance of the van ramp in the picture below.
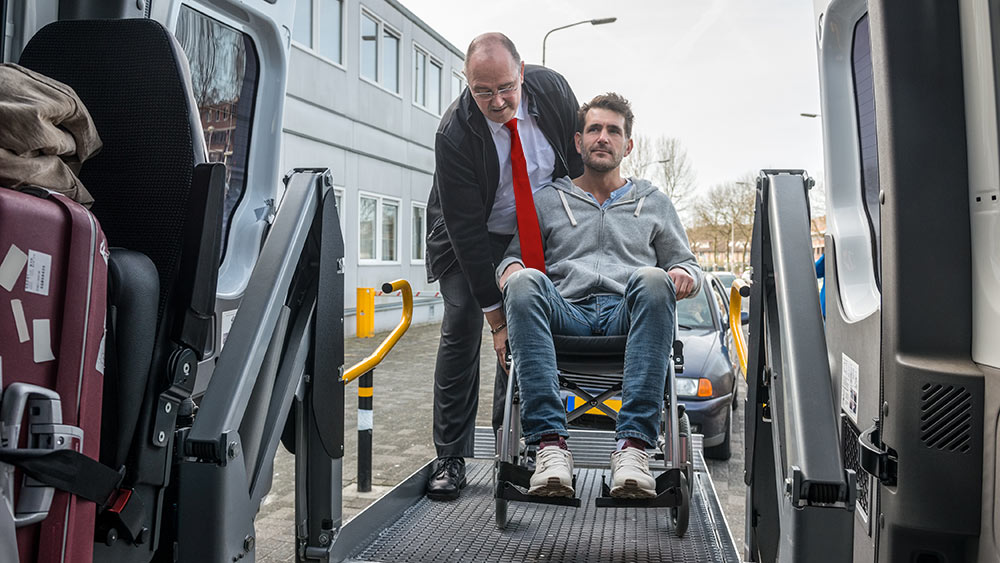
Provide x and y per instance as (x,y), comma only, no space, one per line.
(406,526)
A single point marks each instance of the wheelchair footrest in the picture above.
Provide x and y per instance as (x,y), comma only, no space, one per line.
(515,474)
(508,491)
(668,494)
(512,476)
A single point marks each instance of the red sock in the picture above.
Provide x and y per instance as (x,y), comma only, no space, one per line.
(635,443)
(552,440)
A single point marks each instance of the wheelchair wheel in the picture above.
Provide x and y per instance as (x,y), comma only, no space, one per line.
(680,515)
(501,503)
(501,513)
(684,429)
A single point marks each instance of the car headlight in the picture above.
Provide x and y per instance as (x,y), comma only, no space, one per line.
(690,387)
(686,387)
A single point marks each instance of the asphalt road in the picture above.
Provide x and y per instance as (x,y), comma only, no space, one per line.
(403,391)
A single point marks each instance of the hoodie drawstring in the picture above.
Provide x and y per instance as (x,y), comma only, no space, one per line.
(569,213)
(638,208)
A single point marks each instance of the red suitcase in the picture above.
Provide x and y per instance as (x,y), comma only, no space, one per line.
(53,283)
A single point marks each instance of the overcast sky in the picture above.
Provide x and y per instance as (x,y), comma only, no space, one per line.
(728,78)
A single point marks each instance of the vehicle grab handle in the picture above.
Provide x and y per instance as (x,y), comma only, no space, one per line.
(376,357)
(737,292)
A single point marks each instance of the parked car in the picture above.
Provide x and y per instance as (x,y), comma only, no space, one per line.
(707,386)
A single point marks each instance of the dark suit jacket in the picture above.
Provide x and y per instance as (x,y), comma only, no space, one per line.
(467,173)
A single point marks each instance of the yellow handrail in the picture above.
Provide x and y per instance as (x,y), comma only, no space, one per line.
(376,357)
(737,292)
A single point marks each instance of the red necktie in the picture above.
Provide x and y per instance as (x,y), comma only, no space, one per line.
(527,220)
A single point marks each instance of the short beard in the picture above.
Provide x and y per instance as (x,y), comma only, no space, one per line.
(599,165)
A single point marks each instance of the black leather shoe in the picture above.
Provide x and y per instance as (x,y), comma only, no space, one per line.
(447,480)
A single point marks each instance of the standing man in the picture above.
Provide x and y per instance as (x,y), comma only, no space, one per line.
(508,134)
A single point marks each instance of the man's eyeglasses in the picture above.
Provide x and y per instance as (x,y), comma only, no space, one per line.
(489,94)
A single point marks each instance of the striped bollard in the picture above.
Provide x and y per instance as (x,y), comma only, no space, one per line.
(365,425)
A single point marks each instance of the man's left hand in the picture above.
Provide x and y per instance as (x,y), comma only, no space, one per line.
(683,282)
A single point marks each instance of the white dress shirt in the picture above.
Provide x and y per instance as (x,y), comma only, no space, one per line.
(541,161)
(539,156)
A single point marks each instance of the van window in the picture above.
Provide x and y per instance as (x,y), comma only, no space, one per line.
(864,99)
(224,72)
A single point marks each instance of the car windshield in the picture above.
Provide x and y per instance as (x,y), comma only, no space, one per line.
(694,312)
(726,278)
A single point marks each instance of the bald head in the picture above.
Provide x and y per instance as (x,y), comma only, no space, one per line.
(491,45)
(495,73)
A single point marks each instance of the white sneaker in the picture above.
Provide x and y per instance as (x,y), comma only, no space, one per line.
(630,476)
(553,476)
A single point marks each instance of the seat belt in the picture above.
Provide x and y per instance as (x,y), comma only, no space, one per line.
(77,474)
(69,471)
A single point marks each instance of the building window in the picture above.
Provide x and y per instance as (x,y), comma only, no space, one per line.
(390,226)
(457,84)
(419,231)
(426,81)
(378,228)
(331,25)
(338,197)
(864,99)
(303,23)
(224,71)
(379,52)
(319,26)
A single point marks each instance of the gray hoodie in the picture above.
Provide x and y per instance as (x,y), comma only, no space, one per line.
(589,250)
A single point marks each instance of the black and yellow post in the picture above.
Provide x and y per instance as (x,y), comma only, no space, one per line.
(365,426)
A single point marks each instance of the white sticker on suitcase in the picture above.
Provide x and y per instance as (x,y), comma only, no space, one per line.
(39,267)
(19,322)
(100,354)
(42,341)
(10,268)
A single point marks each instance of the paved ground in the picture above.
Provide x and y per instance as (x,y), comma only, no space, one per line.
(402,439)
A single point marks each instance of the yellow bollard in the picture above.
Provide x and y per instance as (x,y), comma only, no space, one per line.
(366,312)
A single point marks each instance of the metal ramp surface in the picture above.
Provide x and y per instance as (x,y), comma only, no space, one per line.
(417,530)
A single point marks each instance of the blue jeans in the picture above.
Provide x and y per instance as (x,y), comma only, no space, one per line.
(536,311)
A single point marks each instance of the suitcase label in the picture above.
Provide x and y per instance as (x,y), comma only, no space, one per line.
(39,266)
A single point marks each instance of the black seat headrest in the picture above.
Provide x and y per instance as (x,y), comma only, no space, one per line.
(133,77)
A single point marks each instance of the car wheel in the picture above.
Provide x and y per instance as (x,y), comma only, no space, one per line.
(724,450)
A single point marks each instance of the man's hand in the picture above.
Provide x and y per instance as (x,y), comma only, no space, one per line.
(494,319)
(683,282)
(508,272)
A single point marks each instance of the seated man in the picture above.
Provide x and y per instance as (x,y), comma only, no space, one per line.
(617,258)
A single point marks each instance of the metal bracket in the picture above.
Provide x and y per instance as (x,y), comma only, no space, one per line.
(183,370)
(45,431)
(883,464)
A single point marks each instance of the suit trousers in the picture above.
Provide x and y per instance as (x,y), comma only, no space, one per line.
(456,373)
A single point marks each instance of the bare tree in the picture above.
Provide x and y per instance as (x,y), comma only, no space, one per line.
(663,161)
(725,211)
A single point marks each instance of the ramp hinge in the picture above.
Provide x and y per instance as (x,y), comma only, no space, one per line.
(882,463)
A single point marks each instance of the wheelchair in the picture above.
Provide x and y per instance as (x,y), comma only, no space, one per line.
(590,369)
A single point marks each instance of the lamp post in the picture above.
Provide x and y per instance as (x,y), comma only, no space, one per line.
(599,21)
(645,164)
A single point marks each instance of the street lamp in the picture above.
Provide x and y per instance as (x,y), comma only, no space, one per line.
(645,164)
(599,21)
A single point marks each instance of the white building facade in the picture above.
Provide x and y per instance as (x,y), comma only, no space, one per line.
(368,82)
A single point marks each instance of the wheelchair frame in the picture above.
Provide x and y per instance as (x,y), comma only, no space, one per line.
(673,485)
